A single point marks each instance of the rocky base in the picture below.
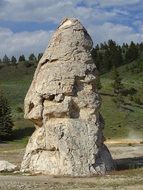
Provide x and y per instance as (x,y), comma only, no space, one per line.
(72,150)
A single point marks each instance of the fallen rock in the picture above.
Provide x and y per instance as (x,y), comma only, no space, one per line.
(64,104)
(6,166)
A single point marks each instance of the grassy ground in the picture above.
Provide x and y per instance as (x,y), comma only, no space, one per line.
(120,123)
(126,122)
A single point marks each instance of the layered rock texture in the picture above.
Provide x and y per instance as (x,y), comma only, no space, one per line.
(63,103)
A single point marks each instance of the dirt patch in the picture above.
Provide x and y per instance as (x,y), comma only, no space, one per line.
(13,156)
(127,181)
(125,149)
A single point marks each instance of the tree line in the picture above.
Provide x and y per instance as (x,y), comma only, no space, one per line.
(106,56)
(31,60)
(109,54)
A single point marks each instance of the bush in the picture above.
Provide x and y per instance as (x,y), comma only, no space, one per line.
(137,100)
(1,66)
(19,109)
(130,98)
(6,123)
(118,100)
(129,92)
(28,64)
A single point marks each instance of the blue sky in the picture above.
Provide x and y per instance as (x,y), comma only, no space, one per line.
(26,25)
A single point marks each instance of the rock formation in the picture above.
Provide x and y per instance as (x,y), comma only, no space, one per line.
(6,166)
(63,103)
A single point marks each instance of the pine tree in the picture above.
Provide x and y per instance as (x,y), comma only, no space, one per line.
(13,60)
(115,54)
(1,64)
(118,100)
(6,60)
(22,58)
(117,87)
(32,58)
(39,56)
(6,123)
(132,53)
(98,84)
(117,81)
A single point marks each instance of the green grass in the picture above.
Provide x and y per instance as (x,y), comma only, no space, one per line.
(16,81)
(121,122)
(21,132)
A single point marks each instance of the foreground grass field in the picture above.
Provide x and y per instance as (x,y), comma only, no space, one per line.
(120,123)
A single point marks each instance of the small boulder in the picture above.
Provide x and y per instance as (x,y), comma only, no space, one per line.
(6,166)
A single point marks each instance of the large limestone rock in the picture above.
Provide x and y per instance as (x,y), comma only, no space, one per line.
(63,103)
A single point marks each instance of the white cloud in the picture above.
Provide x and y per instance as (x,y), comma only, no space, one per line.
(50,10)
(55,10)
(111,3)
(31,10)
(108,3)
(121,12)
(119,33)
(101,22)
(23,42)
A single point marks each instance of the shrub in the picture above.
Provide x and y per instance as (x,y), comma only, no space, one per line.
(137,100)
(6,123)
(19,109)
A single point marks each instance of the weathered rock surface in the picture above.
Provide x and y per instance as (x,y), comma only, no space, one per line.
(6,166)
(63,103)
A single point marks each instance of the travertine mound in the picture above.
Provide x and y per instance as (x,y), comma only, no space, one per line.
(63,103)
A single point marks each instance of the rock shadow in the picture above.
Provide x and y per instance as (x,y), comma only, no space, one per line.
(129,163)
(22,132)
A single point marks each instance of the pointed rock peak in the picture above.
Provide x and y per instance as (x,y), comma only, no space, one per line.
(67,22)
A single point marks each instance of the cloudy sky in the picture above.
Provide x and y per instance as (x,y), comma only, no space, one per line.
(26,25)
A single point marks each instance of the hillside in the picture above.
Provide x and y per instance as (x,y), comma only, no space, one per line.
(126,122)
